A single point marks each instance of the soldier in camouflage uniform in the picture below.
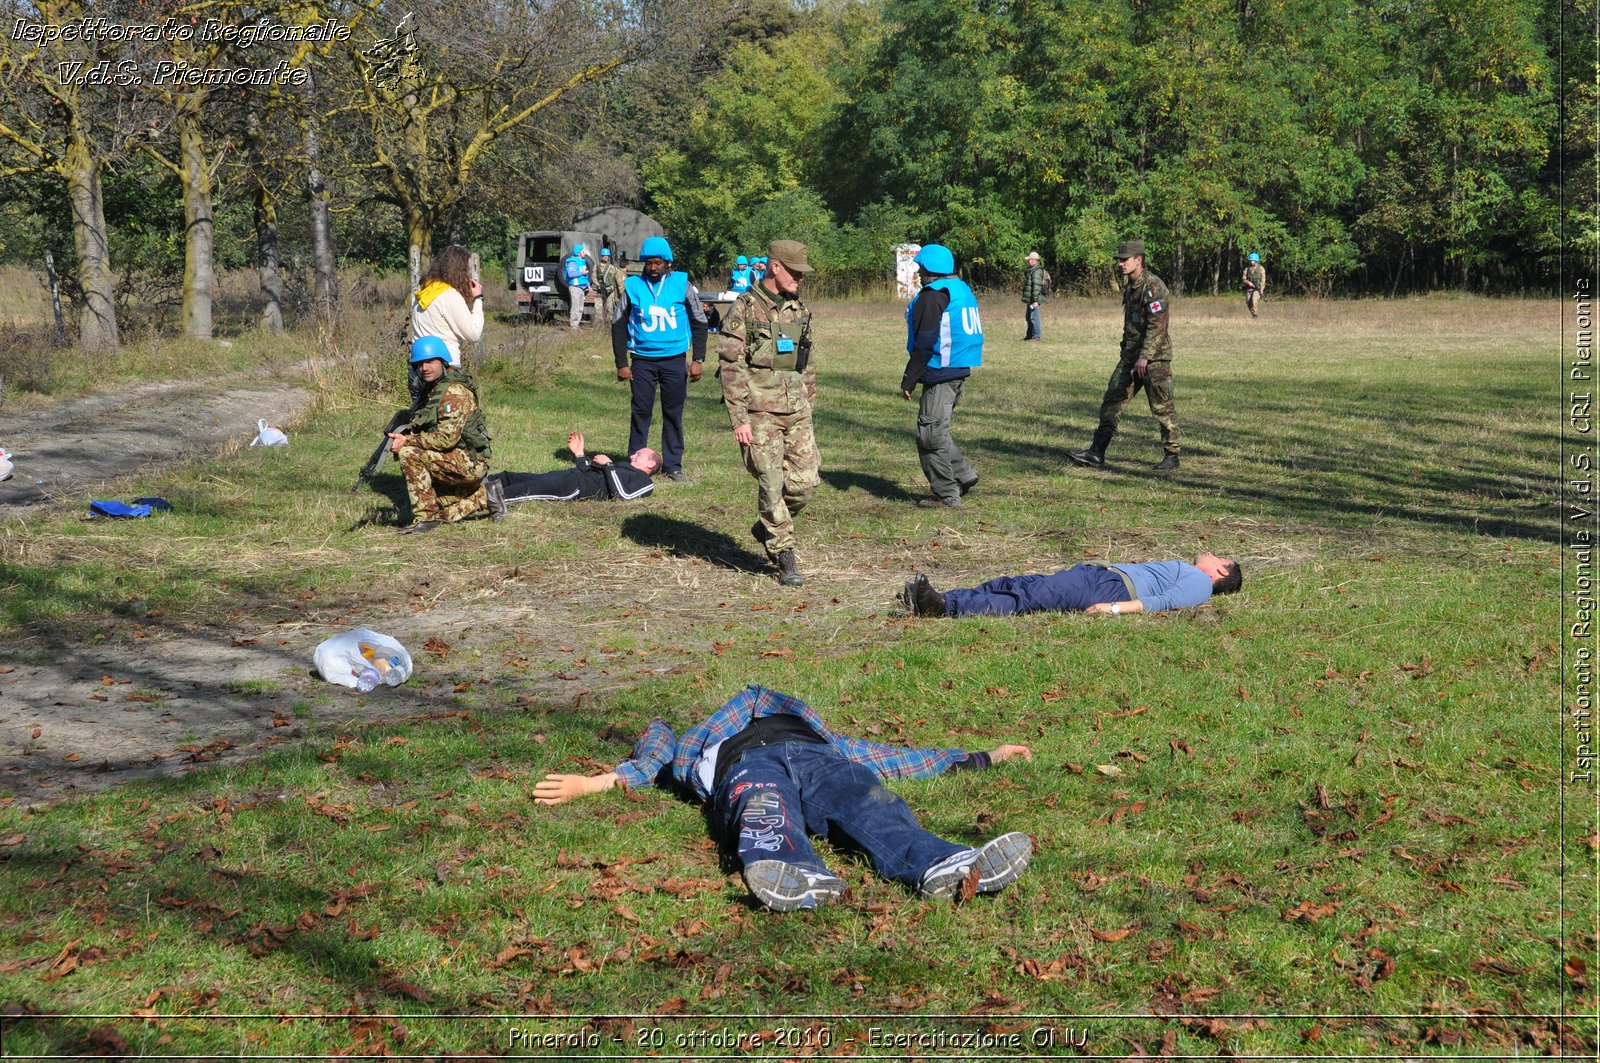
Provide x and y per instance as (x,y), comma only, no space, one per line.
(1146,361)
(608,285)
(768,383)
(444,452)
(1255,283)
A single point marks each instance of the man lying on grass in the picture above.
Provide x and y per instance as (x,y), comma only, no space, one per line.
(773,773)
(1149,587)
(589,477)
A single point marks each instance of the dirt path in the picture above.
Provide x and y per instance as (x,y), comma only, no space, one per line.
(63,726)
(65,450)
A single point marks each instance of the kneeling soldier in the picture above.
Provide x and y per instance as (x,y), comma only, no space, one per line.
(444,451)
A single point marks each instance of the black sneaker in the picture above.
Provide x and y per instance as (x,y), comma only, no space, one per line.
(786,887)
(678,476)
(1167,464)
(1089,458)
(969,485)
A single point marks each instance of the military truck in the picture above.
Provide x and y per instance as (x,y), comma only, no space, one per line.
(536,273)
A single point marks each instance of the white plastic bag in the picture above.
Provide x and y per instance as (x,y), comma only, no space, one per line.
(344,658)
(5,464)
(269,435)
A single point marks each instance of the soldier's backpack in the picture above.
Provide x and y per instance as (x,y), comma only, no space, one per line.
(1047,284)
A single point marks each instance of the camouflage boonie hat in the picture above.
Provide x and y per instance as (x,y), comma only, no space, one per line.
(792,253)
(1129,249)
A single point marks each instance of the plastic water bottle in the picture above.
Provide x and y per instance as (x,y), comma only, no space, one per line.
(394,674)
(367,680)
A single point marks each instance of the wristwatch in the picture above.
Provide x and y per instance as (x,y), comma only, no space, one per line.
(1116,608)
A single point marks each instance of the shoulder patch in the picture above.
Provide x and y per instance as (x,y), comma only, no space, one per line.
(447,407)
(1155,306)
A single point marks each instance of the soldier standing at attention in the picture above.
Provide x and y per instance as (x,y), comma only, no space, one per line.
(944,341)
(1255,283)
(608,282)
(1032,295)
(1146,361)
(768,383)
(444,451)
(657,322)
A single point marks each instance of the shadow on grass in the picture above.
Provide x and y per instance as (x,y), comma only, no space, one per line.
(680,538)
(877,486)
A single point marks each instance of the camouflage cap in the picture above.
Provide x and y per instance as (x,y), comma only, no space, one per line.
(1129,249)
(792,253)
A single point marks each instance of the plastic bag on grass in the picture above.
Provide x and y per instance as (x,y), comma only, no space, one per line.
(269,435)
(362,659)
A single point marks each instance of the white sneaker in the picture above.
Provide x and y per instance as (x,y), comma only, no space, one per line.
(785,887)
(1000,863)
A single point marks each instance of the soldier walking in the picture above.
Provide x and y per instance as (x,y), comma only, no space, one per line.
(768,384)
(1255,283)
(1146,361)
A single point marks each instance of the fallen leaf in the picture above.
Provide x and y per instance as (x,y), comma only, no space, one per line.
(1114,935)
(1110,771)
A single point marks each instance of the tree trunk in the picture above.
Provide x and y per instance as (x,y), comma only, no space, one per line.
(1216,271)
(418,231)
(1177,269)
(321,235)
(97,322)
(267,249)
(199,236)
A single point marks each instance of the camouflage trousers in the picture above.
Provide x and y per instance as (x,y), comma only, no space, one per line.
(783,458)
(444,485)
(1125,384)
(1252,299)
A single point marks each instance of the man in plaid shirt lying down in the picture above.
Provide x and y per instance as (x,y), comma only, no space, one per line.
(774,773)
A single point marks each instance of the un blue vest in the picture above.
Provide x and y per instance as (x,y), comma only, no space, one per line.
(740,281)
(575,272)
(960,331)
(658,322)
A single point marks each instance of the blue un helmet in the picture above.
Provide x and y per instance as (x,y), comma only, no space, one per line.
(741,261)
(936,258)
(605,252)
(1254,257)
(577,249)
(656,247)
(427,348)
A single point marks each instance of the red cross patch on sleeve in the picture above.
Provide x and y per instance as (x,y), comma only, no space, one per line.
(1155,306)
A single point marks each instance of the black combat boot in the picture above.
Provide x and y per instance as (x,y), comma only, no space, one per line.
(789,569)
(924,600)
(496,493)
(1094,455)
(1167,464)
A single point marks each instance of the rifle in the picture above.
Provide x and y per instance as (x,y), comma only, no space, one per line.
(419,395)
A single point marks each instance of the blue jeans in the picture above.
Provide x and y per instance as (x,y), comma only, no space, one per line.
(1033,322)
(1070,590)
(775,795)
(672,375)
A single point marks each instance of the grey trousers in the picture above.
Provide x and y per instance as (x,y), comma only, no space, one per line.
(942,461)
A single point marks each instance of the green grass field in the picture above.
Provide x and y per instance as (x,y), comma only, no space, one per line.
(1322,817)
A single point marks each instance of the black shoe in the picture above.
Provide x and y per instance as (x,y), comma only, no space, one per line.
(421,527)
(925,601)
(678,476)
(1090,458)
(934,502)
(789,570)
(969,485)
(497,499)
(1167,464)
(760,533)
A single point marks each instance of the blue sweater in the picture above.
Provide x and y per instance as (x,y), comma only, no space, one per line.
(1163,585)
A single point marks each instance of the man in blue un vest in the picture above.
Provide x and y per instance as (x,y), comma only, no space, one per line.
(658,320)
(739,280)
(576,270)
(944,339)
